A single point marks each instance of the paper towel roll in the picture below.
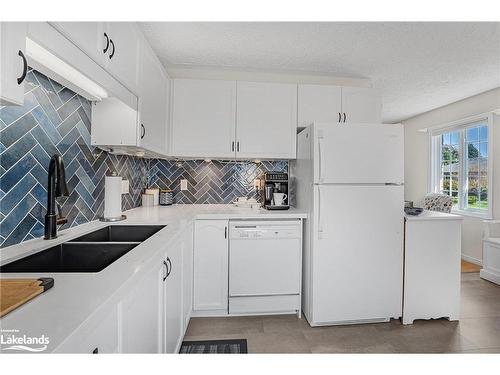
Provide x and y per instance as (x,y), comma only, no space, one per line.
(155,193)
(112,197)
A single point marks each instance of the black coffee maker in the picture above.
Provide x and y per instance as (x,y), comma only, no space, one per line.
(271,183)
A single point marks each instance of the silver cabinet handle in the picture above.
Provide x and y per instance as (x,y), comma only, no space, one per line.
(238,146)
(340,117)
(345,116)
(232,146)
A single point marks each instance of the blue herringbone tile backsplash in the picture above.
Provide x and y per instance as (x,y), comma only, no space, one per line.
(56,120)
(210,182)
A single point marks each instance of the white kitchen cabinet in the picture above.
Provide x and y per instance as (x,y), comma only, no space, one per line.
(187,276)
(99,335)
(319,103)
(88,36)
(113,45)
(335,104)
(211,267)
(122,55)
(142,313)
(13,64)
(114,124)
(266,120)
(173,314)
(361,105)
(203,118)
(138,129)
(153,102)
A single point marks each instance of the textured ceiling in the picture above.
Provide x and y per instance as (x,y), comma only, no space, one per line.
(418,66)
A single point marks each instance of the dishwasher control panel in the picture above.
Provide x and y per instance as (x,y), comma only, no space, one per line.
(265,230)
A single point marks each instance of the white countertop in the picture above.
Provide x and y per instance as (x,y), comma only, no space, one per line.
(76,296)
(432,215)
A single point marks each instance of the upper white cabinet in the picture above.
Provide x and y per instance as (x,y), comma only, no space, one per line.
(113,45)
(361,105)
(266,120)
(153,103)
(122,52)
(203,118)
(320,103)
(143,128)
(228,119)
(13,64)
(324,103)
(88,36)
(211,267)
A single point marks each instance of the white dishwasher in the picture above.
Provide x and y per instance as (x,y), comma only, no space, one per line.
(265,267)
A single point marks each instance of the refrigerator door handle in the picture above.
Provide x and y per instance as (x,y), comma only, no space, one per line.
(320,223)
(320,161)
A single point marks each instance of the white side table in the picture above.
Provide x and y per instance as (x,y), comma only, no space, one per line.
(432,266)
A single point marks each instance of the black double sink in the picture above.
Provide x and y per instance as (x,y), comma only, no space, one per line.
(91,252)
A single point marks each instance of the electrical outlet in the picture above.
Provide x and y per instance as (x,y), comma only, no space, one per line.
(184,184)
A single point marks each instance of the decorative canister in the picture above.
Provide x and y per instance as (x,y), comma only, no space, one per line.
(166,197)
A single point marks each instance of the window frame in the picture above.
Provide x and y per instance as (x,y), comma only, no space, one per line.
(435,162)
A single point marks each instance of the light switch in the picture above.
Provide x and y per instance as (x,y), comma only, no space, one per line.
(184,184)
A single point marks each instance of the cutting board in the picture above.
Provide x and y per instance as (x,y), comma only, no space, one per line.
(16,292)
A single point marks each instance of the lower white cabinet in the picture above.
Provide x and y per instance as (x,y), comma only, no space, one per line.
(141,314)
(172,297)
(187,276)
(211,267)
(98,335)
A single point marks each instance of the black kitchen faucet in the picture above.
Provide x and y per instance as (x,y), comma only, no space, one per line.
(56,188)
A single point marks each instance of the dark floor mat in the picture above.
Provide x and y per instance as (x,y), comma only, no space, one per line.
(214,347)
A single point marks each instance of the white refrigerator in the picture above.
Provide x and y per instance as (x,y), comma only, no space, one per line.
(349,178)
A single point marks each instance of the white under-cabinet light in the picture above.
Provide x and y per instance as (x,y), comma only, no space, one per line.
(51,65)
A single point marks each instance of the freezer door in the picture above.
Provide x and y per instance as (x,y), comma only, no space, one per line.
(357,253)
(358,153)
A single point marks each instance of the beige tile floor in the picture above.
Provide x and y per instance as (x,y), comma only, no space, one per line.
(477,332)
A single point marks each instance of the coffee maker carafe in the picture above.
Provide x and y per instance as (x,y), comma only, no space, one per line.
(274,186)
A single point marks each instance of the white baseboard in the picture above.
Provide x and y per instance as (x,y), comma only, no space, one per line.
(473,260)
(490,276)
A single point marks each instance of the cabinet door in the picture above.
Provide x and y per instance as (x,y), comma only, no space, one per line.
(141,313)
(203,121)
(173,299)
(113,124)
(88,36)
(266,120)
(122,58)
(153,103)
(361,105)
(187,276)
(319,103)
(211,265)
(12,48)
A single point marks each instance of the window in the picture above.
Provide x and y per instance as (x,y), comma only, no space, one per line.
(461,166)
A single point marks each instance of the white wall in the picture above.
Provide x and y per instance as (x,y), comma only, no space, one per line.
(417,155)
